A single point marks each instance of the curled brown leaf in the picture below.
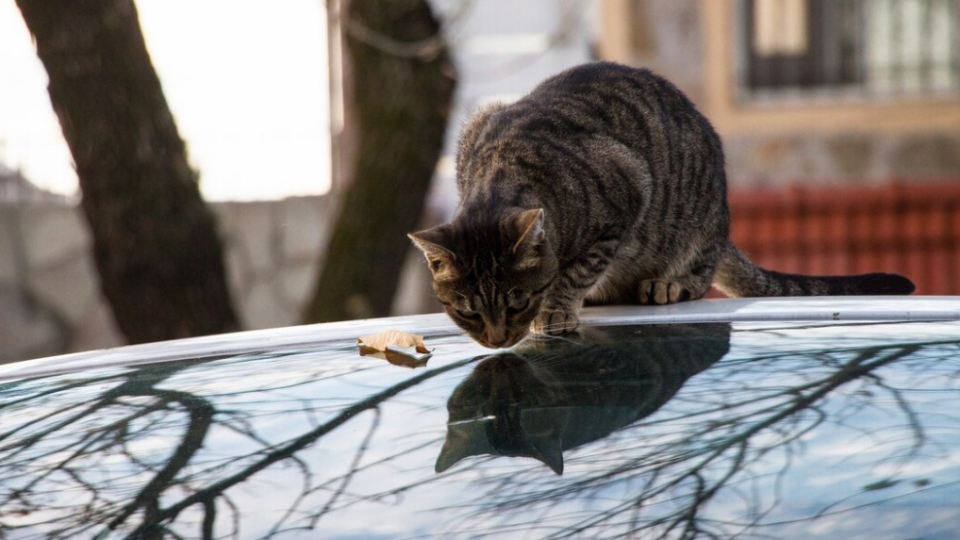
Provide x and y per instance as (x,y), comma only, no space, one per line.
(397,347)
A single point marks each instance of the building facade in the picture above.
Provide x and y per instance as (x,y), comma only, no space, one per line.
(840,121)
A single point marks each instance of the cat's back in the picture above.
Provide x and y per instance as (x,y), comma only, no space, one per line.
(575,100)
(602,79)
(618,152)
(630,106)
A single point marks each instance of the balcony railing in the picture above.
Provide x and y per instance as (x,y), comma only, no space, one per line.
(866,48)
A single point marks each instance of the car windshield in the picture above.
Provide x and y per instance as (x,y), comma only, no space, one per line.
(712,430)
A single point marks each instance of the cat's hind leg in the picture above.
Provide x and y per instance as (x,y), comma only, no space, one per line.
(657,291)
(670,291)
(692,284)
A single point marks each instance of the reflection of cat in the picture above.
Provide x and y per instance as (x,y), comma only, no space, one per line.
(566,393)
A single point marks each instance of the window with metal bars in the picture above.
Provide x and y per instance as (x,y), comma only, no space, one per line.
(861,47)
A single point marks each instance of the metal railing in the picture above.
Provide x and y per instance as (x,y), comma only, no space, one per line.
(869,48)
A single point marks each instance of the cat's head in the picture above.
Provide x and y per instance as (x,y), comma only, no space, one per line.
(491,271)
(506,407)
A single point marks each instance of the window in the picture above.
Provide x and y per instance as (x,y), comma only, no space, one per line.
(865,47)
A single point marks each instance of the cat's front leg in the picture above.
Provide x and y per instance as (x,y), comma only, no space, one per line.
(560,313)
(555,321)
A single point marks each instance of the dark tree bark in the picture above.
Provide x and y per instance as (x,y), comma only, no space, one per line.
(402,88)
(155,243)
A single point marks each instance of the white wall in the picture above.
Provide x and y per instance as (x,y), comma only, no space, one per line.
(50,301)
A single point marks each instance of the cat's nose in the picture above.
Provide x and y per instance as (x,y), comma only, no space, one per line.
(497,337)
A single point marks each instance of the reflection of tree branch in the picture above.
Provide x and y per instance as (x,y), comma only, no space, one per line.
(285,451)
(828,511)
(83,433)
(712,445)
(383,494)
(358,456)
(40,395)
(913,420)
(85,446)
(209,517)
(706,458)
(28,442)
(201,415)
(174,534)
(235,513)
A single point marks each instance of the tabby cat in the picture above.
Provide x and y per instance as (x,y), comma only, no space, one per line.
(604,184)
(541,399)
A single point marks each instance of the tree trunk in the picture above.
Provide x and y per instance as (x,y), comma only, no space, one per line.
(402,88)
(155,243)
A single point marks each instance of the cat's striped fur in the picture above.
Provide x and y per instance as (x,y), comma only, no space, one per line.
(604,184)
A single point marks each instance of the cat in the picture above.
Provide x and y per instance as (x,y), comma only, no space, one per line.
(538,400)
(605,185)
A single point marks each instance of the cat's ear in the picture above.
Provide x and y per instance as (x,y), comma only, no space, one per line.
(529,227)
(529,238)
(441,260)
(541,431)
(464,439)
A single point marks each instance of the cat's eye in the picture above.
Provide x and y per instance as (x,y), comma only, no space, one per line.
(519,307)
(469,315)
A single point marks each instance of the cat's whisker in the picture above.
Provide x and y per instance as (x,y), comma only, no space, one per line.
(559,338)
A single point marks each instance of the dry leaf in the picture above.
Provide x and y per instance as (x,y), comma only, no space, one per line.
(392,338)
(389,345)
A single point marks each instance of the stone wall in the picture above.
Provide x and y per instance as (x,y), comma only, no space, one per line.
(853,158)
(50,301)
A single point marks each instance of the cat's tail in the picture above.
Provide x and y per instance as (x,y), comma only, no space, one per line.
(737,276)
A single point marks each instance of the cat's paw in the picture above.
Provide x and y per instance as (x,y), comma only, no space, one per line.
(555,322)
(657,291)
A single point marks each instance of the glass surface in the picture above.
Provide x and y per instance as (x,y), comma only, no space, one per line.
(659,431)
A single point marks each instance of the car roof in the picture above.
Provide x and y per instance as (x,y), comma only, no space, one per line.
(779,309)
(779,418)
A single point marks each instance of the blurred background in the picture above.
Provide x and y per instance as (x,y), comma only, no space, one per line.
(172,168)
